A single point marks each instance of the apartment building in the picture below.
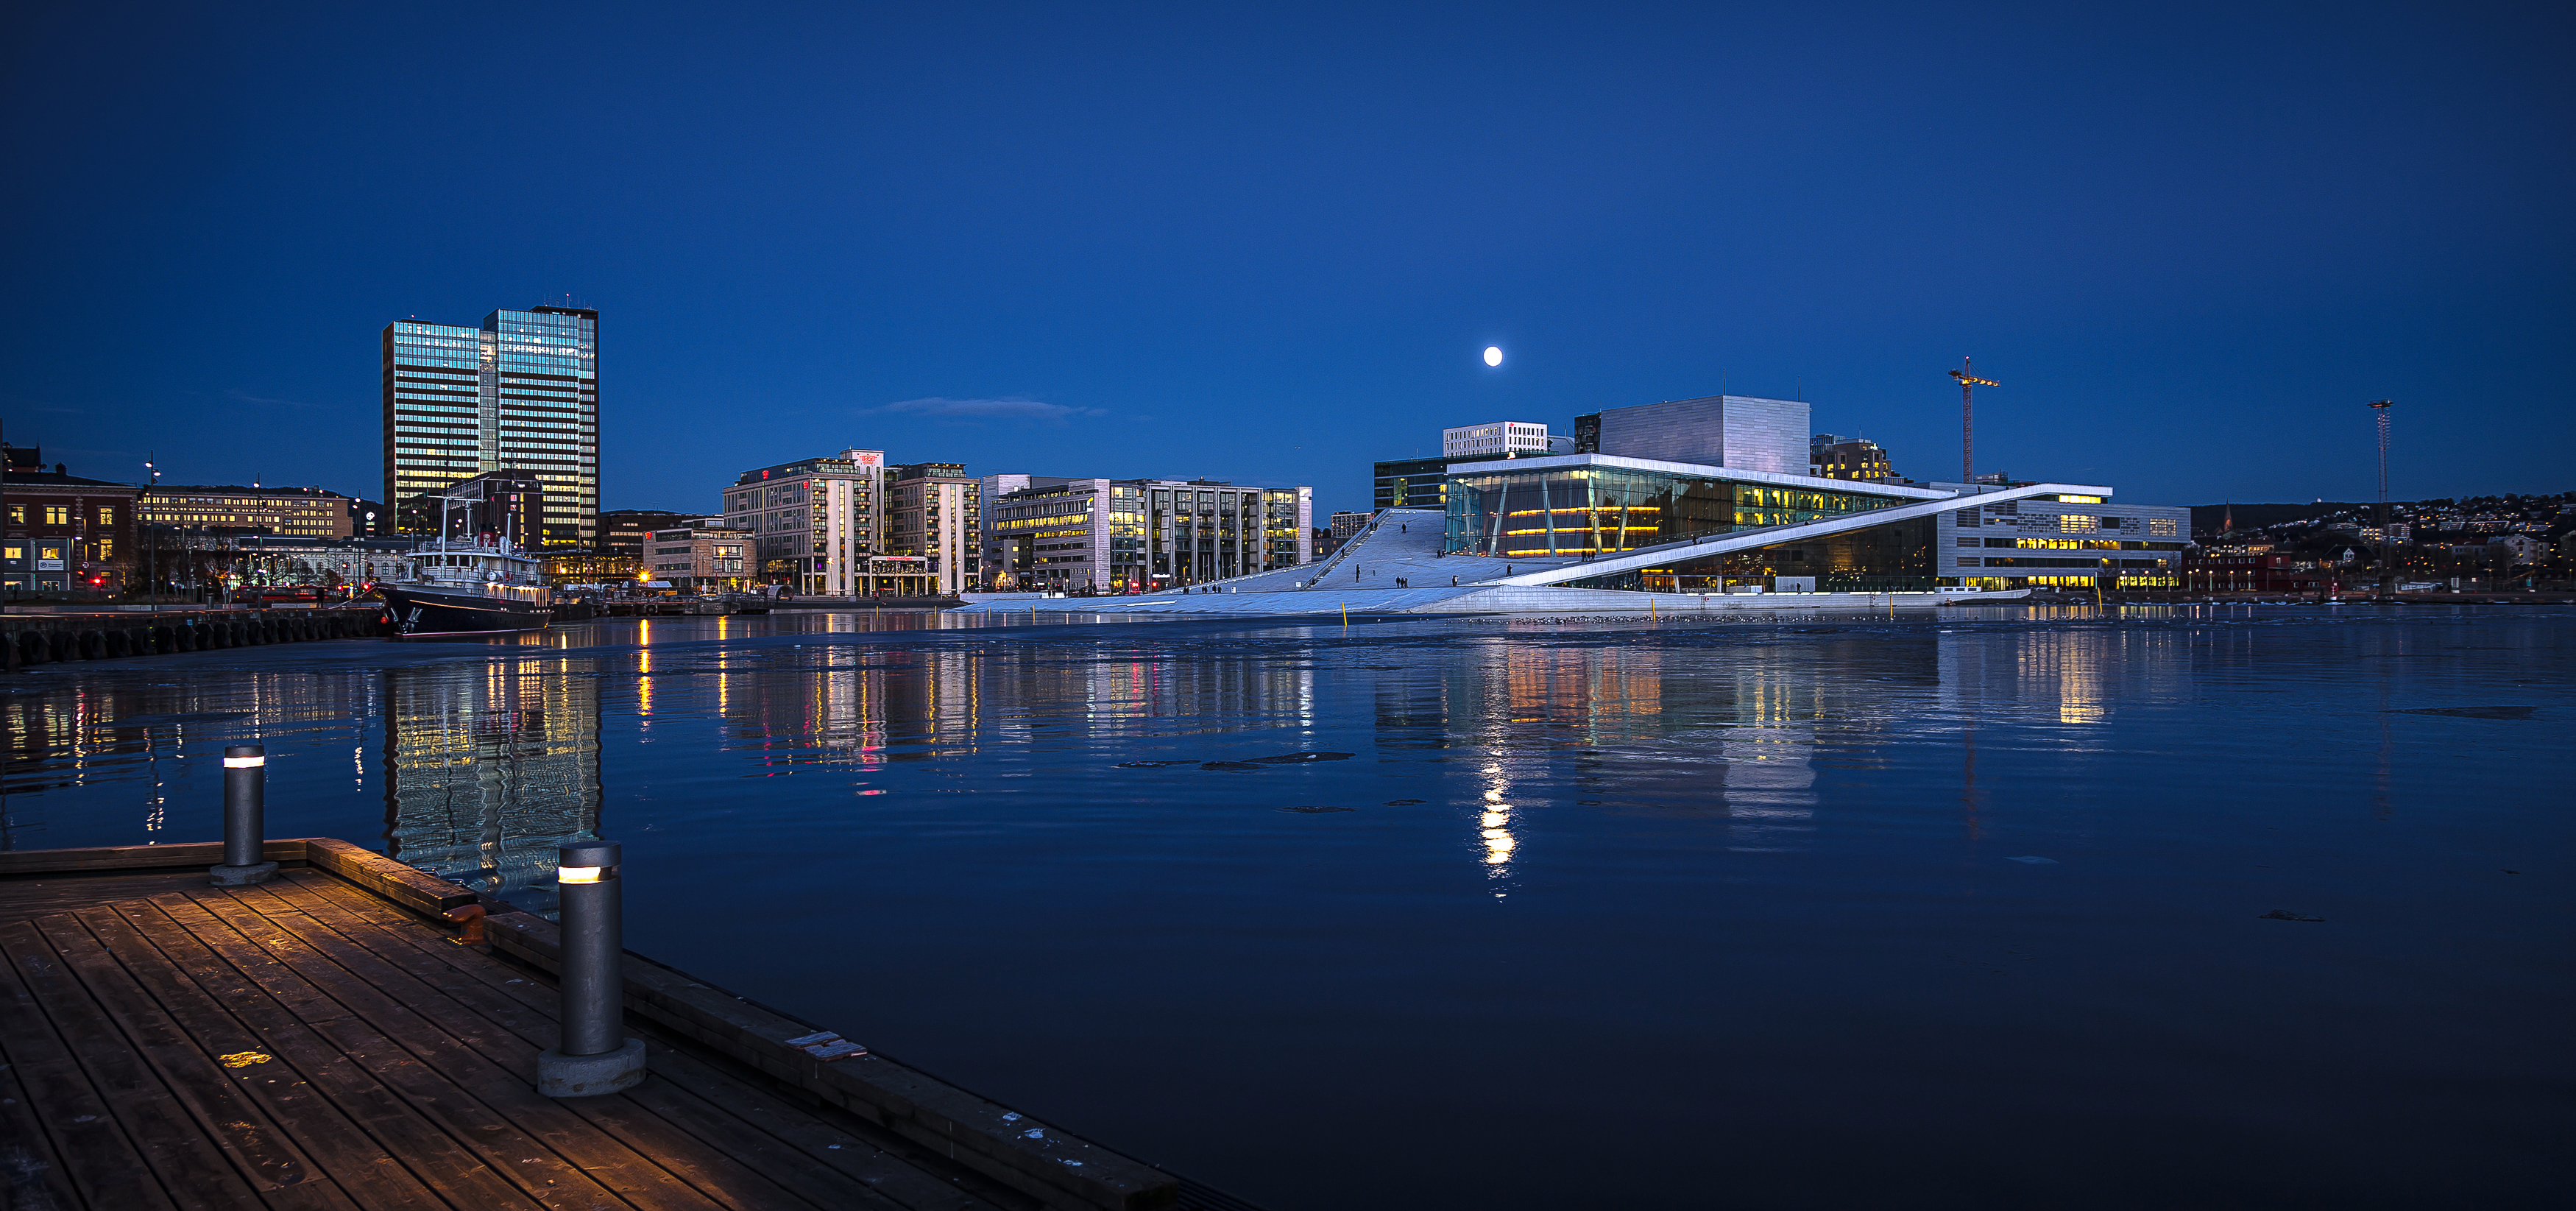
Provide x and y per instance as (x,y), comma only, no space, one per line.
(936,512)
(815,521)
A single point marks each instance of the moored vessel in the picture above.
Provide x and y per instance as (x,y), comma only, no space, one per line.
(469,586)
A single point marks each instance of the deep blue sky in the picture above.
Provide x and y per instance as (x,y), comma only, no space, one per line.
(1268,245)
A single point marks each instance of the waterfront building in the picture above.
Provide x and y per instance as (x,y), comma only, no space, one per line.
(701,559)
(519,393)
(352,564)
(1831,457)
(582,565)
(995,561)
(1589,506)
(1116,536)
(936,512)
(1347,523)
(64,533)
(292,512)
(622,531)
(816,521)
(2068,540)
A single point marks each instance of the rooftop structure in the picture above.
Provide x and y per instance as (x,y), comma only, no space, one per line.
(1739,432)
(1497,439)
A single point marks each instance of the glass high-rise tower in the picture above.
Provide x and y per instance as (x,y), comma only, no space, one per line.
(520,393)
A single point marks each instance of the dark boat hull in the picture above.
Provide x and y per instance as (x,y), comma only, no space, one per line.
(429,614)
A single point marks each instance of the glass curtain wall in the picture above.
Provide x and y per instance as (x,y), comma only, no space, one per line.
(1597,510)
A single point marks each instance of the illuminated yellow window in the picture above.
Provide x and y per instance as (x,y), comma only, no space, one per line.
(2162,527)
(58,515)
(2076,523)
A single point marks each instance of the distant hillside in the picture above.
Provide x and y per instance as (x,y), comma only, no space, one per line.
(2205,518)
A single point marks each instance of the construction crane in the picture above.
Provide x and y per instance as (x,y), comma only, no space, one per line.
(1968,384)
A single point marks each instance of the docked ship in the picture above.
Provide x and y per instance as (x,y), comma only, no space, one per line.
(482,585)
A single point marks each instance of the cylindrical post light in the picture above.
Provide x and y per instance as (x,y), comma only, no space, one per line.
(245,809)
(595,1056)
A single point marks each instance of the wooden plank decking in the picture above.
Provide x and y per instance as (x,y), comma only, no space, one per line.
(314,1043)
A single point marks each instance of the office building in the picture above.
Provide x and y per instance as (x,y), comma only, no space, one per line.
(815,521)
(700,559)
(1832,457)
(65,533)
(1347,523)
(369,518)
(2065,540)
(289,512)
(936,512)
(520,393)
(1739,432)
(1128,535)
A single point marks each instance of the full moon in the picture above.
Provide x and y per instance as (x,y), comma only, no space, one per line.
(1493,355)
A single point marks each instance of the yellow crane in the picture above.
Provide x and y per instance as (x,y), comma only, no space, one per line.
(1968,384)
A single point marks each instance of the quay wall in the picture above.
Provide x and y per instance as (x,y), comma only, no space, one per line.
(31,639)
(1504,599)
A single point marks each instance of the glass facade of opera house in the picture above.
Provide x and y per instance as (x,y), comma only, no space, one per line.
(1589,505)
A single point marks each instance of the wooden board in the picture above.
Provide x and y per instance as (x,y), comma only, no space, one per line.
(319,1042)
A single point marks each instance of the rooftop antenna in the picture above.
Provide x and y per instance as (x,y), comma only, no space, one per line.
(1968,384)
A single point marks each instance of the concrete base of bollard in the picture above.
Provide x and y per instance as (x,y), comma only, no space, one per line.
(243,876)
(560,1075)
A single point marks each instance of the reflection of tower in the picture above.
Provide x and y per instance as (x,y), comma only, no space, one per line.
(485,769)
(1963,682)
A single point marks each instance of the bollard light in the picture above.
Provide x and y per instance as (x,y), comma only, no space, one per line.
(594,1056)
(245,790)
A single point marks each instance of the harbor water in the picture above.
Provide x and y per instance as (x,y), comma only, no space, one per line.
(2004,906)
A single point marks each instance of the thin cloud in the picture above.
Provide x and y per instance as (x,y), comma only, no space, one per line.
(264,401)
(940,407)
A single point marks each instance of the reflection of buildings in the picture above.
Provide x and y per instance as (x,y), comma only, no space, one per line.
(1732,736)
(486,769)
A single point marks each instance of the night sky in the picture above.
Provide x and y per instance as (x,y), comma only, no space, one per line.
(1269,245)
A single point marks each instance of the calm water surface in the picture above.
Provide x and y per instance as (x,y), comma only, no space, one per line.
(1525,914)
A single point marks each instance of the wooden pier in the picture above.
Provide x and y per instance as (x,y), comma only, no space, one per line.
(325,1041)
